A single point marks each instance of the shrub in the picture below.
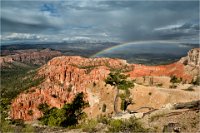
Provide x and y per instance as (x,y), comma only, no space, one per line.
(159,85)
(53,117)
(115,126)
(6,127)
(173,86)
(156,117)
(197,81)
(174,79)
(30,112)
(18,122)
(69,115)
(44,107)
(89,126)
(28,129)
(103,119)
(130,125)
(189,89)
(104,108)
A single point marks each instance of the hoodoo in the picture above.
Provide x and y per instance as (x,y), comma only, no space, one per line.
(65,76)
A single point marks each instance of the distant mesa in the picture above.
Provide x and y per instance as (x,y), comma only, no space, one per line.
(30,56)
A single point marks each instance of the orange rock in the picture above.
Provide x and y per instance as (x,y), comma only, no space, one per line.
(66,76)
(32,56)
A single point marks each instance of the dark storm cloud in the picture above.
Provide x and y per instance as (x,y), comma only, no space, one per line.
(101,20)
(147,17)
(10,26)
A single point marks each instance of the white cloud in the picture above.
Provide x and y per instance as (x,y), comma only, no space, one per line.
(76,38)
(169,27)
(20,36)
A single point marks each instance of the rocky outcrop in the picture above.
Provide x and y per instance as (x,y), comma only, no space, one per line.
(4,60)
(151,72)
(65,76)
(193,57)
(31,56)
(187,68)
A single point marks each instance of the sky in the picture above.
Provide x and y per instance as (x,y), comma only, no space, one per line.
(115,21)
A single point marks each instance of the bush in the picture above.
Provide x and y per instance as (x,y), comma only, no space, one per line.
(44,107)
(197,81)
(69,115)
(89,126)
(18,122)
(160,85)
(156,117)
(189,89)
(173,86)
(174,79)
(115,126)
(28,129)
(30,112)
(6,127)
(54,117)
(131,125)
(103,119)
(104,108)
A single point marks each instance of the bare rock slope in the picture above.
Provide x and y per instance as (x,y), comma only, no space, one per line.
(30,56)
(65,76)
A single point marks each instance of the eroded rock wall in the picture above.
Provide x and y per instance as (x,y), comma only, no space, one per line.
(31,56)
(65,76)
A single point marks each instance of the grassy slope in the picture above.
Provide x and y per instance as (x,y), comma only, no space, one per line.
(16,79)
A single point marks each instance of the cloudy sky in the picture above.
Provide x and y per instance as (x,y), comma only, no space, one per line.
(119,21)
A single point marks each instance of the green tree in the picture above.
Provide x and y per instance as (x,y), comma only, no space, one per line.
(69,115)
(120,82)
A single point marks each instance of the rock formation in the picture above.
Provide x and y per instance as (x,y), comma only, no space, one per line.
(30,56)
(65,76)
(193,58)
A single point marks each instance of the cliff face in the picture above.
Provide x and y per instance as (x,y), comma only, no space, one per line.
(65,76)
(31,56)
(194,57)
(186,68)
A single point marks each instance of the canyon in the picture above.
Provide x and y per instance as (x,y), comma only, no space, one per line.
(65,76)
(29,56)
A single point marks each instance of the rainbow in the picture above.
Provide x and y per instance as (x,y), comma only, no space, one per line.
(135,42)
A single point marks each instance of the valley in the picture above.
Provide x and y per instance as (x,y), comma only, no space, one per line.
(48,77)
